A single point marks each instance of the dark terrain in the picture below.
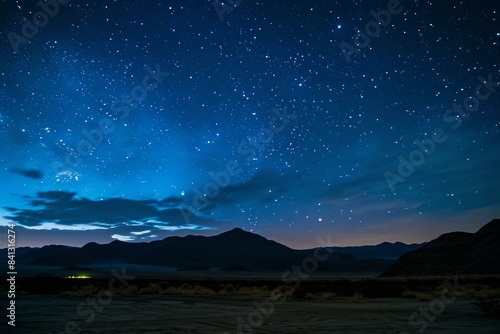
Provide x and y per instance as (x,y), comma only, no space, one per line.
(453,253)
(235,250)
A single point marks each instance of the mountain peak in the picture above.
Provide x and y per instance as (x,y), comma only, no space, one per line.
(237,232)
(240,234)
(492,227)
(91,245)
(452,253)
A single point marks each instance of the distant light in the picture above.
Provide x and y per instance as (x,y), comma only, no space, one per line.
(79,277)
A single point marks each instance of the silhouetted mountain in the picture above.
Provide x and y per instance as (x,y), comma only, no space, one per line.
(28,254)
(36,253)
(229,248)
(383,251)
(454,253)
(19,251)
(234,250)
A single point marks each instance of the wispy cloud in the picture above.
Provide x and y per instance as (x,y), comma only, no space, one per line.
(141,232)
(64,210)
(123,237)
(263,187)
(31,173)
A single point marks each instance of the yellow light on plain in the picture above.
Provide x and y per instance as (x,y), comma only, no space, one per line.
(79,277)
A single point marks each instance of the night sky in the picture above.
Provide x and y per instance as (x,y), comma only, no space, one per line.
(138,120)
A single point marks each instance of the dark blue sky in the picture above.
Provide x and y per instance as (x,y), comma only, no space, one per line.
(137,120)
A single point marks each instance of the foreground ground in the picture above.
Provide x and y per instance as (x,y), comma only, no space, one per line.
(167,314)
(236,305)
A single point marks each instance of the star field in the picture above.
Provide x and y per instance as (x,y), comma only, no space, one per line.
(124,117)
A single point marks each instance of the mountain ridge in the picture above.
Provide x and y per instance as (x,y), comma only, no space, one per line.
(240,250)
(453,253)
(234,249)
